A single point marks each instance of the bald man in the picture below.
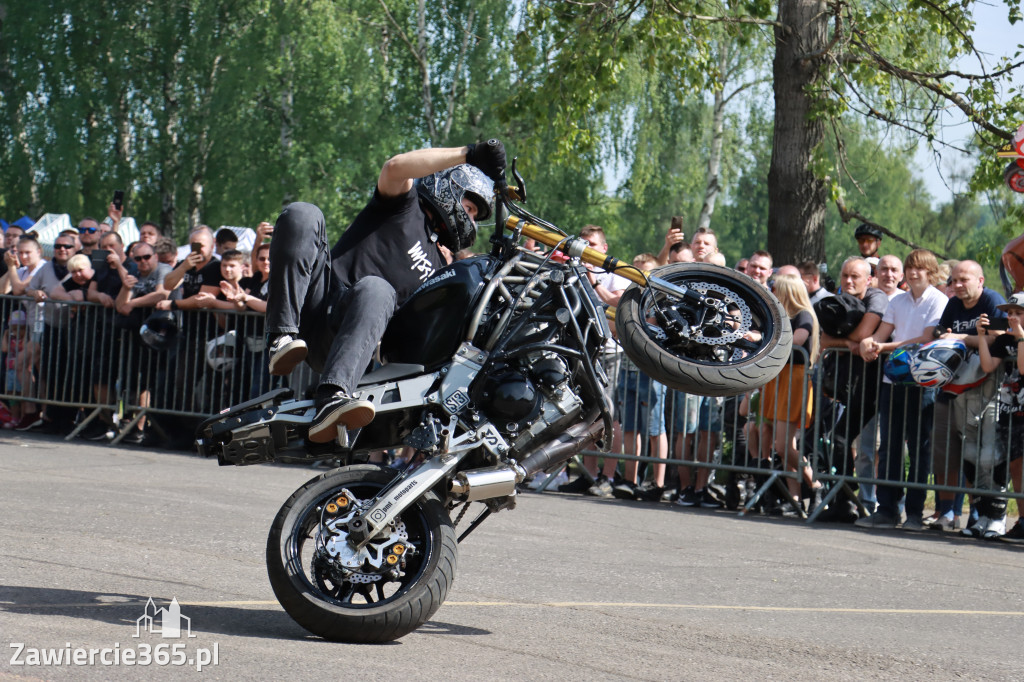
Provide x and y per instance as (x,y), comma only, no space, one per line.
(959,437)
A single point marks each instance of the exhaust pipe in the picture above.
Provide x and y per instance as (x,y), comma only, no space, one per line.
(575,438)
(484,484)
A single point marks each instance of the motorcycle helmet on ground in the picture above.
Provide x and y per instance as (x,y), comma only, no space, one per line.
(160,330)
(443,191)
(936,362)
(220,352)
(897,365)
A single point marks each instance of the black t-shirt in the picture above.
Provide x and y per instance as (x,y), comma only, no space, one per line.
(194,280)
(1011,392)
(802,320)
(960,320)
(389,239)
(256,286)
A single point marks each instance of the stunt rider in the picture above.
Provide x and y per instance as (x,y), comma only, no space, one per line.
(330,307)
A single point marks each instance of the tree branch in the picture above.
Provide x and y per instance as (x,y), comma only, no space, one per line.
(848,215)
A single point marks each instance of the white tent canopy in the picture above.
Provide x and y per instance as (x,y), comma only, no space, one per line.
(52,224)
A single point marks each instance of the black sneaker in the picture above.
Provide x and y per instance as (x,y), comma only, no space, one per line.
(688,497)
(624,491)
(707,500)
(134,437)
(649,493)
(286,353)
(339,409)
(579,486)
(97,431)
(1015,535)
(603,488)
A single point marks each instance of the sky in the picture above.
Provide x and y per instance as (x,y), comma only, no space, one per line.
(995,38)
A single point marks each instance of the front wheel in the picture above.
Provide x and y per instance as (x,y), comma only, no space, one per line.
(379,593)
(703,344)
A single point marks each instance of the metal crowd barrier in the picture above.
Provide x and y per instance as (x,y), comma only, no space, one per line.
(839,443)
(83,355)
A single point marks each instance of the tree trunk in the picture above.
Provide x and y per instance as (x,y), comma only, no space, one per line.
(712,185)
(172,159)
(287,112)
(796,198)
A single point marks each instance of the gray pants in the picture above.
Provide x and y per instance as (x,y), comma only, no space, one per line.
(341,325)
(965,436)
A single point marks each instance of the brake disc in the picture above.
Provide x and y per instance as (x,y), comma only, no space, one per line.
(383,553)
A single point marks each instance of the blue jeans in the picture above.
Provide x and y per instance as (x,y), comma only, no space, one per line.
(905,416)
(641,403)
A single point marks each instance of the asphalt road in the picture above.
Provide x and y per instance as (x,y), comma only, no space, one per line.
(562,588)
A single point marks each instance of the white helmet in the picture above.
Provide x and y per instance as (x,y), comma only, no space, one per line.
(221,351)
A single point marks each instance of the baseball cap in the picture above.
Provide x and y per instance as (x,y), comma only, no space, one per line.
(18,318)
(1016,301)
(865,230)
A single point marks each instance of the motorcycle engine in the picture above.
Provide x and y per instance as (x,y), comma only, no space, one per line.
(528,398)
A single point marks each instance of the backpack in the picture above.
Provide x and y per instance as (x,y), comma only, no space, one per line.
(840,314)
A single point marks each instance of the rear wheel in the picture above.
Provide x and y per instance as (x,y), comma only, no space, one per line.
(378,593)
(705,346)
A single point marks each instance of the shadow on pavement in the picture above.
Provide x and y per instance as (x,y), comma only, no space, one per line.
(126,609)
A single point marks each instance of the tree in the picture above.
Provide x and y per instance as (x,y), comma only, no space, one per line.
(829,58)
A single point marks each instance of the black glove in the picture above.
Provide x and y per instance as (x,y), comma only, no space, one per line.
(488,157)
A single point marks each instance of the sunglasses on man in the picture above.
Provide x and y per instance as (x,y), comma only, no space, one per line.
(63,246)
(88,230)
(139,259)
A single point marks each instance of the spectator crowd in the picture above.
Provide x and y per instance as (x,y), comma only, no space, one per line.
(840,412)
(165,323)
(837,416)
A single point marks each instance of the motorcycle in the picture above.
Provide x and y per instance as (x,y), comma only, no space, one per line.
(492,374)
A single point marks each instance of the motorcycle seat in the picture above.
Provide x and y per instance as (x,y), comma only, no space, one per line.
(390,372)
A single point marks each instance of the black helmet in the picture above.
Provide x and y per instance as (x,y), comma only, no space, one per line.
(444,191)
(160,330)
(865,230)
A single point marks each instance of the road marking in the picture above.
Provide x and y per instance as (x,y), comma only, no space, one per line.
(575,604)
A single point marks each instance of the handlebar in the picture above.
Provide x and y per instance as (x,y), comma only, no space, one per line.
(576,247)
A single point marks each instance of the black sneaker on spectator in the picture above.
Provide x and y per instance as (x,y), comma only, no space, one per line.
(286,353)
(707,500)
(1015,535)
(688,497)
(670,495)
(97,431)
(624,491)
(578,486)
(134,437)
(790,510)
(649,492)
(336,409)
(603,488)
(877,520)
(976,529)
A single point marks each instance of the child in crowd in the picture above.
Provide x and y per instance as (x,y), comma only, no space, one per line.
(13,343)
(1010,422)
(642,412)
